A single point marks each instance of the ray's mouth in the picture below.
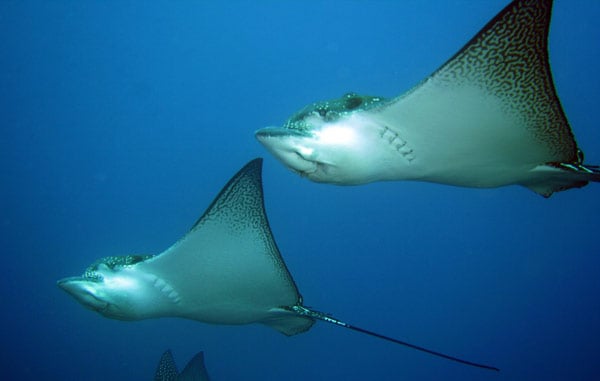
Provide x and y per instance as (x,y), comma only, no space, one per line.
(81,289)
(276,132)
(65,282)
(290,147)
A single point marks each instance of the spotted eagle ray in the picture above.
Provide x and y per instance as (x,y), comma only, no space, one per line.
(489,117)
(226,270)
(195,370)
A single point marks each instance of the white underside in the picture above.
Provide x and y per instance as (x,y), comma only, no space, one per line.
(244,289)
(460,136)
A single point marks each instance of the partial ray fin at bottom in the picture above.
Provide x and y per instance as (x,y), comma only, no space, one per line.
(195,370)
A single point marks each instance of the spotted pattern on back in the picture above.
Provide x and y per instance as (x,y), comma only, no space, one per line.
(241,204)
(509,59)
(114,263)
(333,109)
(166,370)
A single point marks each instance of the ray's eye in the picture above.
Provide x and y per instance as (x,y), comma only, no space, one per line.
(353,102)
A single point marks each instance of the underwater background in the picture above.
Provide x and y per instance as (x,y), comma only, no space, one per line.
(121,121)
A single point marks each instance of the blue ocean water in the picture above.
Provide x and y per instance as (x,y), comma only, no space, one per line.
(121,121)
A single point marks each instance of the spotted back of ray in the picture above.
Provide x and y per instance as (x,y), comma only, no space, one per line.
(509,58)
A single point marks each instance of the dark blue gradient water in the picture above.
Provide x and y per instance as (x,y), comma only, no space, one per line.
(122,120)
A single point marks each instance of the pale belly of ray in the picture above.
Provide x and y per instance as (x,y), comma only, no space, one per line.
(462,136)
(233,295)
